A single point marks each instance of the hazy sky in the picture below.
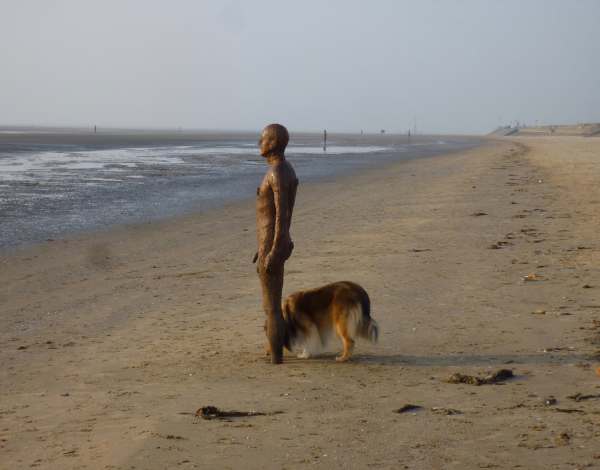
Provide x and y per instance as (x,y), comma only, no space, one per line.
(458,66)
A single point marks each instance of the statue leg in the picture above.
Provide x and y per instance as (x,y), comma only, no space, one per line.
(272,285)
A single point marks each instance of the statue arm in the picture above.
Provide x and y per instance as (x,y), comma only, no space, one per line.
(282,215)
(292,201)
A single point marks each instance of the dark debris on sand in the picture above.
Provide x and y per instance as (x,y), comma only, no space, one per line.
(494,378)
(212,412)
(408,408)
(581,397)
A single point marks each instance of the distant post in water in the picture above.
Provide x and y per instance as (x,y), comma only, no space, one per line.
(325,140)
(94,129)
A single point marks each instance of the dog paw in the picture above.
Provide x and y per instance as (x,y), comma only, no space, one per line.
(304,355)
(342,358)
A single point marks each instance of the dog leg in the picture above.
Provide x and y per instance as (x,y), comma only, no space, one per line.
(309,343)
(347,342)
(305,354)
(348,348)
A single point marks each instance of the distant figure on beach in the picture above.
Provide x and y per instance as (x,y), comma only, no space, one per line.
(275,200)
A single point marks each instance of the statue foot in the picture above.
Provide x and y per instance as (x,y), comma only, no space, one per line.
(276,357)
(276,360)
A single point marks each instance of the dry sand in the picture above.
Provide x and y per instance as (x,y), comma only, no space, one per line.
(109,343)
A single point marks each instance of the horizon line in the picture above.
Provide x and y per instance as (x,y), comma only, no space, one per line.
(183,129)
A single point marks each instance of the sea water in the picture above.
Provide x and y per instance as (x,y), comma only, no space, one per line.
(49,190)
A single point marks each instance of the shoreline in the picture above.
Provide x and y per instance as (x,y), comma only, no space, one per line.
(106,342)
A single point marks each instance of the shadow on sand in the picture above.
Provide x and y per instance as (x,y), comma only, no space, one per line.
(471,359)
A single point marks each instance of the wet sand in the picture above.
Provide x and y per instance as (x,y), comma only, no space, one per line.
(109,343)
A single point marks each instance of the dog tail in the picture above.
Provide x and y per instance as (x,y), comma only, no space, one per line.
(367,327)
(363,326)
(372,331)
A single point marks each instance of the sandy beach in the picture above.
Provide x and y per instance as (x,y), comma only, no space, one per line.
(475,261)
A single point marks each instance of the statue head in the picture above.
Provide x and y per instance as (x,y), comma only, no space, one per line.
(273,140)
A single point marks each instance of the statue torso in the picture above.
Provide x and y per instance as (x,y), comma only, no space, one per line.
(265,205)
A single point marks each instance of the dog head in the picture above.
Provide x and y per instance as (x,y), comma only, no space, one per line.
(287,308)
(291,329)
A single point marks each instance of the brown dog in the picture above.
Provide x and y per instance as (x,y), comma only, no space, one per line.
(311,316)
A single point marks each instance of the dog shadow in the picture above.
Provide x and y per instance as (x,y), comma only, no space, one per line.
(470,359)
